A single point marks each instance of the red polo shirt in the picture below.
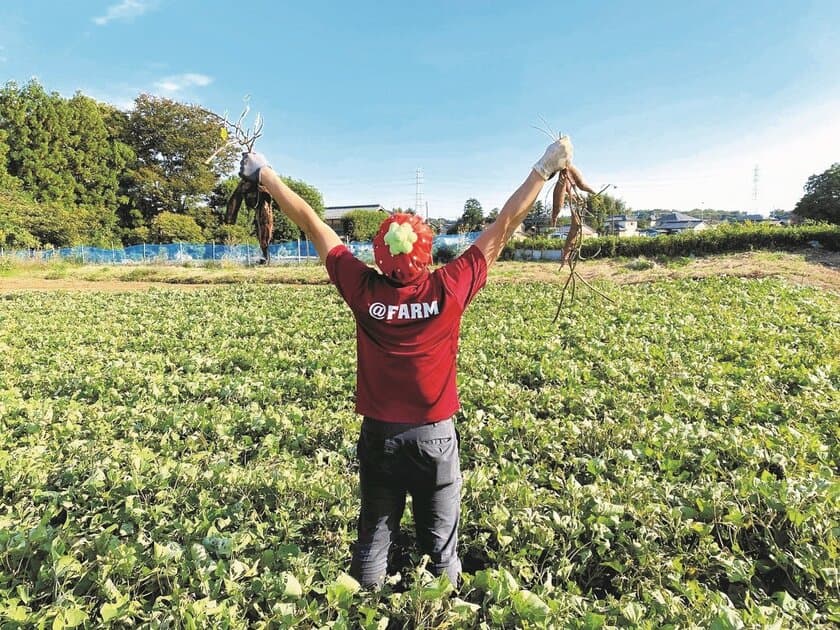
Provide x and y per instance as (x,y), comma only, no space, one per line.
(407,335)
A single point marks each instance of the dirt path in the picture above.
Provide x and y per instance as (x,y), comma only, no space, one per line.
(816,268)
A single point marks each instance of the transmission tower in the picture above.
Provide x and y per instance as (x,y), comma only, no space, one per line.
(418,193)
(755,188)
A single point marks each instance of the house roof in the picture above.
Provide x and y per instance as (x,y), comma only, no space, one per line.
(677,217)
(677,225)
(337,212)
(619,217)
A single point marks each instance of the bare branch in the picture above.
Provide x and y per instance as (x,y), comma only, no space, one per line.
(238,134)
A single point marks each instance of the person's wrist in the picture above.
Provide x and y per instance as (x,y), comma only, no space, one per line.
(262,171)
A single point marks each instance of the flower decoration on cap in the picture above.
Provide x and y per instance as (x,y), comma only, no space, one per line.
(403,247)
(400,238)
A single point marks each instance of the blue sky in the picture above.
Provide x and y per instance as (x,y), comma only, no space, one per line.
(673,103)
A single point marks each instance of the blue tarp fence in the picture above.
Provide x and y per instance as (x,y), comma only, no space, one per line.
(287,252)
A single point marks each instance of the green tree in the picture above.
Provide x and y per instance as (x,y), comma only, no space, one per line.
(603,206)
(172,142)
(538,216)
(132,224)
(233,235)
(284,229)
(95,157)
(6,180)
(16,208)
(137,235)
(61,150)
(169,227)
(821,201)
(38,136)
(472,218)
(362,225)
(27,222)
(64,153)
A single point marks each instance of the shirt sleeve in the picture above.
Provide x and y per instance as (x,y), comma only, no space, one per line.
(466,275)
(346,272)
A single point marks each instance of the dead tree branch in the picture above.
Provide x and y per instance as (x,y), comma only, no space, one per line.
(235,133)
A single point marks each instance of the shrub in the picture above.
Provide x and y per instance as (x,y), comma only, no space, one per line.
(232,235)
(168,227)
(445,254)
(640,264)
(136,236)
(722,239)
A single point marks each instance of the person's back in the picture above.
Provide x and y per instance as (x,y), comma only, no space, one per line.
(407,335)
(407,326)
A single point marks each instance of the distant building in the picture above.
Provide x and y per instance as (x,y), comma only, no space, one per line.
(757,218)
(563,231)
(621,225)
(519,233)
(675,222)
(334,215)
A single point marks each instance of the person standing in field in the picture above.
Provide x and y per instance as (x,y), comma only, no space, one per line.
(407,330)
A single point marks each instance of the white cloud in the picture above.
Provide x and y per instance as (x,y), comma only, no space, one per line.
(125,10)
(181,81)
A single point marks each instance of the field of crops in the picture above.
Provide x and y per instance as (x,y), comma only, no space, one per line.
(186,459)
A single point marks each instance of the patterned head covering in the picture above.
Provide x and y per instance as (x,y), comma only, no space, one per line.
(402,248)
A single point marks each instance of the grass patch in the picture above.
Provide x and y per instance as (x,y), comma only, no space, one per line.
(676,262)
(640,264)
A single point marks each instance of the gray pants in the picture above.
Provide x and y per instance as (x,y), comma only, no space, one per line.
(395,459)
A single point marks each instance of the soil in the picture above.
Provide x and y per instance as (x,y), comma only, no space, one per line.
(816,268)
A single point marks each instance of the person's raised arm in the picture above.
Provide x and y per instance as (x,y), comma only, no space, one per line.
(255,168)
(492,240)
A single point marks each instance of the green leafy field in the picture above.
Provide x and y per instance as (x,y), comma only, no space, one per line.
(186,459)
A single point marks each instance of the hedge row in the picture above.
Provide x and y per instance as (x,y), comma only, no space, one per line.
(718,240)
(362,225)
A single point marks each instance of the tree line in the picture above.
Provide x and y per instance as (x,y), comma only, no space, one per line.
(78,171)
(819,203)
(538,218)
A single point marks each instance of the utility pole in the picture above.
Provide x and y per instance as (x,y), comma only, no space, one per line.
(418,193)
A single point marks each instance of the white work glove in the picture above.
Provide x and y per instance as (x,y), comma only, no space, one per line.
(250,166)
(557,156)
